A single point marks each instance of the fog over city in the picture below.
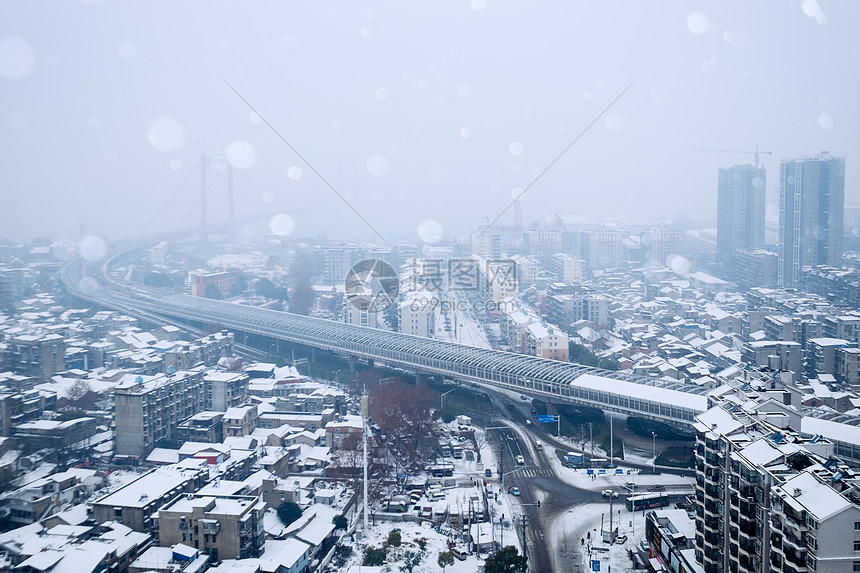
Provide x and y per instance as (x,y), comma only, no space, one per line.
(433,113)
(477,286)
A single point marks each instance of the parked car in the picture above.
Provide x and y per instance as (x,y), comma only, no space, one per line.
(523,397)
(621,539)
(488,472)
(459,554)
(521,460)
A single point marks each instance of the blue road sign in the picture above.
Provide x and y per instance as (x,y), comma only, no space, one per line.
(546,419)
(595,565)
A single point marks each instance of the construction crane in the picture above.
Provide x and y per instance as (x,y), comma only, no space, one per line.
(755,153)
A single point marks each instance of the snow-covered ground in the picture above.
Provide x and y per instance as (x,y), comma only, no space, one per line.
(468,331)
(572,527)
(435,543)
(474,483)
(574,535)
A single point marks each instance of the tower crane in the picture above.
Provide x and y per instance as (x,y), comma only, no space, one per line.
(754,153)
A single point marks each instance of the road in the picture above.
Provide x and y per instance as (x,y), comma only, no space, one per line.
(537,482)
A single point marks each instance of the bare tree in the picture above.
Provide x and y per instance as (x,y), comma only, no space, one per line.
(79,389)
(347,462)
(405,411)
(481,442)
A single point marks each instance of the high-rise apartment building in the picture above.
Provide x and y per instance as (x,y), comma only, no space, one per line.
(769,499)
(811,205)
(740,210)
(149,408)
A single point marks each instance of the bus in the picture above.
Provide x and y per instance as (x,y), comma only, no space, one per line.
(440,470)
(647,501)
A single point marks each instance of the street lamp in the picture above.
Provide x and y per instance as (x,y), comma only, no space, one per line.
(442,399)
(654,449)
(501,452)
(633,507)
(516,469)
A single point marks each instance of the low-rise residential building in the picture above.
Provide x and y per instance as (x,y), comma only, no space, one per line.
(670,533)
(135,503)
(225,389)
(204,427)
(546,342)
(337,431)
(224,527)
(40,434)
(416,315)
(38,356)
(774,354)
(240,421)
(19,407)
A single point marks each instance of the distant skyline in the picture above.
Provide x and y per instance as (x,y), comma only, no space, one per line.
(421,116)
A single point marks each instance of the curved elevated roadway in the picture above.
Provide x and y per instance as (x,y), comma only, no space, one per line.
(537,377)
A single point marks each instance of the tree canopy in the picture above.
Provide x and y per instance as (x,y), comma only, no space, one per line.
(403,410)
(508,560)
(288,512)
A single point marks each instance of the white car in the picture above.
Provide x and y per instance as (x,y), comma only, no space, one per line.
(521,461)
(609,493)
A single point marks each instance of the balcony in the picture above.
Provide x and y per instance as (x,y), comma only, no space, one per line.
(775,541)
(798,559)
(713,539)
(776,560)
(795,542)
(210,526)
(713,555)
(747,528)
(776,523)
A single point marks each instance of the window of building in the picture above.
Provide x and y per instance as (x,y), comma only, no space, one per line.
(857,526)
(856,566)
(857,546)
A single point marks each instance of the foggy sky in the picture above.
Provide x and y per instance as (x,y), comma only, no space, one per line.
(414,112)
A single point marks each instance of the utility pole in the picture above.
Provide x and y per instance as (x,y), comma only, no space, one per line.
(203,220)
(582,435)
(654,448)
(611,448)
(611,531)
(364,415)
(442,400)
(633,507)
(591,438)
(525,541)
